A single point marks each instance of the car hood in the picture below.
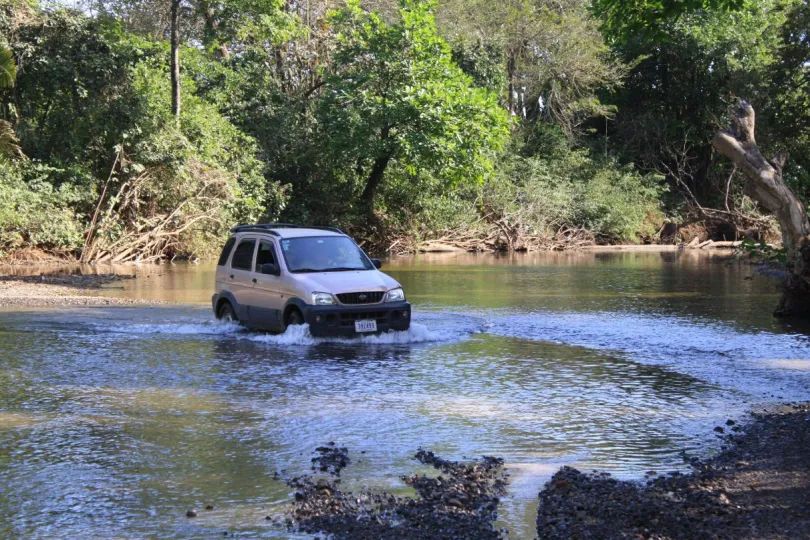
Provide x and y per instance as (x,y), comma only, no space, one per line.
(343,282)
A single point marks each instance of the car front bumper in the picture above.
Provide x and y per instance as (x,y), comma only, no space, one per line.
(339,320)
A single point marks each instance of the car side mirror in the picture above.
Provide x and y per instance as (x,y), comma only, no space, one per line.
(271,269)
(377,263)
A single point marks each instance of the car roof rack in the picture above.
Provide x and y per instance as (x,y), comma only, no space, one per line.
(268,227)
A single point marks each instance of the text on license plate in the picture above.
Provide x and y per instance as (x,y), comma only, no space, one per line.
(365,326)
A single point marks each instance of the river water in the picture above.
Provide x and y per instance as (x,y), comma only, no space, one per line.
(114,421)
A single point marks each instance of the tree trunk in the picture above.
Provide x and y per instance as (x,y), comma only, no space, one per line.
(377,172)
(374,179)
(209,15)
(510,79)
(764,184)
(175,60)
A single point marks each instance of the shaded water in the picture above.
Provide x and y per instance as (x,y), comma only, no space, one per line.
(114,421)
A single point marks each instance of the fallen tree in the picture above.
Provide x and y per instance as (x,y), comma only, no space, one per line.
(764,184)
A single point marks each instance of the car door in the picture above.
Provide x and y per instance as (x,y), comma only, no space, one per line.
(240,276)
(268,303)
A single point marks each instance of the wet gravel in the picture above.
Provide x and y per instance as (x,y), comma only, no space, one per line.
(81,281)
(61,290)
(461,502)
(758,487)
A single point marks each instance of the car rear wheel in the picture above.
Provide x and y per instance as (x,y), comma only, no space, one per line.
(226,313)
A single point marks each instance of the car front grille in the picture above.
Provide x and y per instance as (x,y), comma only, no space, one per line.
(355,298)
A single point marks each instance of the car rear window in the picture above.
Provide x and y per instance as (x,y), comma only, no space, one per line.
(226,251)
(243,256)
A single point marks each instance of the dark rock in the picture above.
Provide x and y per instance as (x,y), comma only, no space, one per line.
(330,459)
(191,513)
(460,503)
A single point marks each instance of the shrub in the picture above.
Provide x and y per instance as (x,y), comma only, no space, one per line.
(575,190)
(33,212)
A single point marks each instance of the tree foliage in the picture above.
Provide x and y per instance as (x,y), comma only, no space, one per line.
(553,57)
(651,19)
(94,114)
(8,74)
(319,111)
(682,83)
(393,94)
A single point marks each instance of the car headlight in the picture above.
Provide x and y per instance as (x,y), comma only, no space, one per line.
(322,299)
(395,295)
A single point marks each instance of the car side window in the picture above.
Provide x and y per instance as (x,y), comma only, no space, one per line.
(265,255)
(243,256)
(226,251)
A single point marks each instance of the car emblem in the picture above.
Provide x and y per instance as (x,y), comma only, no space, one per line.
(362,297)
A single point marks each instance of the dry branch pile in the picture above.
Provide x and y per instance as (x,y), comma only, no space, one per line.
(143,221)
(496,235)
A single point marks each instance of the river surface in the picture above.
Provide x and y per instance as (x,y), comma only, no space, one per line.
(114,421)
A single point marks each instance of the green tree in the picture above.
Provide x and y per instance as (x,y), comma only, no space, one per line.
(650,19)
(218,24)
(94,108)
(394,94)
(787,117)
(8,73)
(553,56)
(683,81)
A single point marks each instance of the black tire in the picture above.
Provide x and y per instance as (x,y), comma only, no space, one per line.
(295,317)
(226,313)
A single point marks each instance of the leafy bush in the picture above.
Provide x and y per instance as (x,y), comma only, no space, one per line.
(33,212)
(577,191)
(94,99)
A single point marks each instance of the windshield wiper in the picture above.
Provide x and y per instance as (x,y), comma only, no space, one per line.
(343,269)
(333,269)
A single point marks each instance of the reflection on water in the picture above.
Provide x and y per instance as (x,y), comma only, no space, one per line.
(114,421)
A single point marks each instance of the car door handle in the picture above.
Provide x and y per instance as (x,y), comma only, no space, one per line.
(254,280)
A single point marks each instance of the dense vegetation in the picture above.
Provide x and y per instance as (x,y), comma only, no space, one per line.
(516,124)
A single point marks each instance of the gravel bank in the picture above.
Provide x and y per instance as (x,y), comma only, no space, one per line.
(759,487)
(60,290)
(461,502)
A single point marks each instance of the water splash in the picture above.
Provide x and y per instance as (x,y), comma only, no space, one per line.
(300,335)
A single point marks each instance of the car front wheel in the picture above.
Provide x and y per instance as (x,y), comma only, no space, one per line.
(295,318)
(226,313)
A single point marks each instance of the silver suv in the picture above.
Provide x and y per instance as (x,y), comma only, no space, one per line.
(274,275)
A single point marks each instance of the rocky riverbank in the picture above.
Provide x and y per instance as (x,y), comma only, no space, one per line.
(460,502)
(758,487)
(60,290)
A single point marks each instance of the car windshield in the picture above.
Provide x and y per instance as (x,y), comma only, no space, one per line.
(323,254)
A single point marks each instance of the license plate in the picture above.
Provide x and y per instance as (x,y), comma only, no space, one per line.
(365,326)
